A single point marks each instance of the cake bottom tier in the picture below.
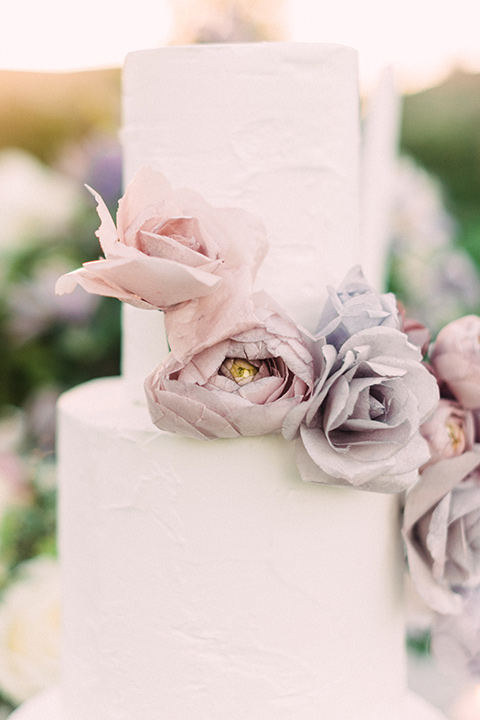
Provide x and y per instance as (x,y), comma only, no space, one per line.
(205,580)
(48,706)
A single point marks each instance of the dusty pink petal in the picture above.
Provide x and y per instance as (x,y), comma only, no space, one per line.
(170,249)
(207,321)
(107,232)
(96,285)
(154,281)
(247,241)
(196,411)
(187,416)
(146,189)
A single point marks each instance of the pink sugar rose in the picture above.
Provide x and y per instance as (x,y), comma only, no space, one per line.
(450,431)
(442,531)
(456,359)
(168,246)
(243,385)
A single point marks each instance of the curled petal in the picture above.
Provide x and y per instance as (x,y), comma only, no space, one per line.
(142,281)
(157,238)
(441,527)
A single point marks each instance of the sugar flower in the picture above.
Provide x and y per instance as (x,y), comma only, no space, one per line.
(456,360)
(361,425)
(167,247)
(243,385)
(354,307)
(442,531)
(450,431)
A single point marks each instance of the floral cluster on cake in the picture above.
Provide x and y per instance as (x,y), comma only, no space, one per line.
(368,400)
(353,395)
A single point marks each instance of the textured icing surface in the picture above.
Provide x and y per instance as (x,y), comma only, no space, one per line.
(204,580)
(48,707)
(272,128)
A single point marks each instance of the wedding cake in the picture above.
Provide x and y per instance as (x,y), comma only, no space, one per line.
(205,580)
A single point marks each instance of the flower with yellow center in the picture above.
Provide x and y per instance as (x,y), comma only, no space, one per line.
(239,370)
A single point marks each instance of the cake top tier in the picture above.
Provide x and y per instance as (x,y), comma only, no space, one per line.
(272,128)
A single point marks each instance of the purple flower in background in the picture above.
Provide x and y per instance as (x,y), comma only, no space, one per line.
(34,306)
(105,172)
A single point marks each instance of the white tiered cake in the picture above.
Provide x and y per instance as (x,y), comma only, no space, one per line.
(205,580)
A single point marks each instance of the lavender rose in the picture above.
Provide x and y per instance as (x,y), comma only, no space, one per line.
(244,385)
(354,307)
(361,425)
(168,246)
(442,531)
(456,359)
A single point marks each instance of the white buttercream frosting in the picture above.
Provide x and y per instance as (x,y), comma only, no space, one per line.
(206,580)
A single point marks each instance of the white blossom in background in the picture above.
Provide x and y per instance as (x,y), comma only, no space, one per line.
(12,429)
(437,280)
(30,630)
(35,201)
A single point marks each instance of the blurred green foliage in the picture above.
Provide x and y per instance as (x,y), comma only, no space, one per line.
(441,129)
(62,353)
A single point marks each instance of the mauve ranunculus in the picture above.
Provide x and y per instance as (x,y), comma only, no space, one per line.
(361,425)
(450,431)
(168,246)
(455,359)
(442,531)
(243,385)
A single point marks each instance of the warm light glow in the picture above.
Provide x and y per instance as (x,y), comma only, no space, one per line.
(59,35)
(422,40)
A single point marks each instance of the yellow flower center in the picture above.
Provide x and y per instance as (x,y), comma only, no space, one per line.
(239,370)
(455,434)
